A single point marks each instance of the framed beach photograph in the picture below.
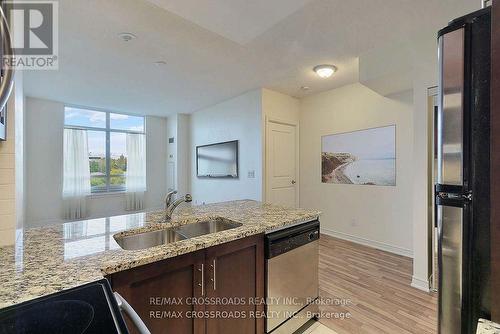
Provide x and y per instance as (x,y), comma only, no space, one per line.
(366,157)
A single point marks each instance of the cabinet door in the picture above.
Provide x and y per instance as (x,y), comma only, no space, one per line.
(160,292)
(235,272)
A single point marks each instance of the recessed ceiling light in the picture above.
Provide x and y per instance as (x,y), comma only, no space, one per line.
(160,62)
(127,36)
(325,71)
(304,88)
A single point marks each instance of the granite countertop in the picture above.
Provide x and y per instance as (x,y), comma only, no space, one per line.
(53,258)
(487,327)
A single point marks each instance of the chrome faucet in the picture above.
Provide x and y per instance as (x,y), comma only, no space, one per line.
(168,198)
(170,207)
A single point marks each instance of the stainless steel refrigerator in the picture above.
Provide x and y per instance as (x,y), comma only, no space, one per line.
(463,180)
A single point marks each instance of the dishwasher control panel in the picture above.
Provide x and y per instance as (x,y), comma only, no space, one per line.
(289,239)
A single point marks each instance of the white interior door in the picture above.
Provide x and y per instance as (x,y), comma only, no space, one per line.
(281,169)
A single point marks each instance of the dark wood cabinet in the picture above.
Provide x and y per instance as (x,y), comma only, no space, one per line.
(160,291)
(236,276)
(214,291)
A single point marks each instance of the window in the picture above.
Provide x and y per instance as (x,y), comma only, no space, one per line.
(107,138)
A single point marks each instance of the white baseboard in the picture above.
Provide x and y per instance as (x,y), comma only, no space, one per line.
(368,242)
(421,284)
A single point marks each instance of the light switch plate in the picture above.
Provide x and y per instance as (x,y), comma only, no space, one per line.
(251,174)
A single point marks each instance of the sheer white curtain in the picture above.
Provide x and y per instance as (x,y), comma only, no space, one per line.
(76,174)
(136,171)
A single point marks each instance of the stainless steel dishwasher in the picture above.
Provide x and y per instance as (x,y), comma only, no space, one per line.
(291,277)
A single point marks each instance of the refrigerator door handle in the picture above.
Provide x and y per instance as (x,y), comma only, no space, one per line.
(467,196)
(445,195)
(454,196)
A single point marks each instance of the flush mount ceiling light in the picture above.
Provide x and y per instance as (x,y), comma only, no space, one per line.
(325,71)
(126,36)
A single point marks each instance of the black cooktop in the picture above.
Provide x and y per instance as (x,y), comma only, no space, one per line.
(88,309)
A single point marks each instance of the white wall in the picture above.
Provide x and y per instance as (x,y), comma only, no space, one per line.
(425,76)
(12,167)
(183,154)
(44,160)
(374,215)
(172,153)
(44,163)
(240,119)
(281,107)
(179,154)
(410,64)
(156,161)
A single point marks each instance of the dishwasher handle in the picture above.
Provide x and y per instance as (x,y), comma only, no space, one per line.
(286,240)
(125,307)
(287,233)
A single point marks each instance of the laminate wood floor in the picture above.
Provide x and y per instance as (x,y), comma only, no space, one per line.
(318,328)
(373,286)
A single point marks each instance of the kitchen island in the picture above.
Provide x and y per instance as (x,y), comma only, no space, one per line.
(57,257)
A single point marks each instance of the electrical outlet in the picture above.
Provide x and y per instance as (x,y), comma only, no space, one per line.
(251,174)
(354,222)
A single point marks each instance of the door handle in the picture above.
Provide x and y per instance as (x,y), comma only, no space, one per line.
(213,279)
(202,284)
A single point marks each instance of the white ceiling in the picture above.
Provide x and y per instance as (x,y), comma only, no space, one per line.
(238,20)
(217,49)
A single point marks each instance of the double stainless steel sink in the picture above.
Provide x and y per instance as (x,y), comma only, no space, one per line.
(173,234)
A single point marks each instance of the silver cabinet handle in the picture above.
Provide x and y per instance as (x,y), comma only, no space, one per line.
(8,79)
(202,284)
(125,307)
(214,277)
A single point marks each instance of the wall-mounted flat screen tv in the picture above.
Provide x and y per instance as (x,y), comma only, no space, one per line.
(217,160)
